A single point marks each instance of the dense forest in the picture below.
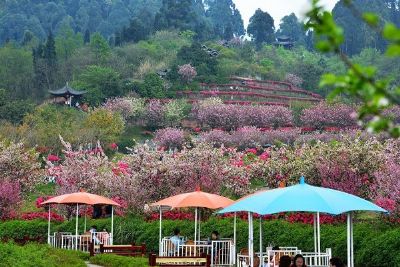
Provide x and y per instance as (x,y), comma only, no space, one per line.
(118,48)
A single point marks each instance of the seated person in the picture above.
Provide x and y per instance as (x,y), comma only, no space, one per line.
(336,262)
(93,236)
(104,237)
(176,239)
(299,261)
(214,236)
(285,261)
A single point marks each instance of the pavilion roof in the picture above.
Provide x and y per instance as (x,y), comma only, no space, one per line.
(66,90)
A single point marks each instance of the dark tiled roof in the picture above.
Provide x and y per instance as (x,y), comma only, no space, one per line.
(66,90)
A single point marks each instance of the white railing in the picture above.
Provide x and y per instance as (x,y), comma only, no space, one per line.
(313,259)
(81,242)
(273,256)
(221,251)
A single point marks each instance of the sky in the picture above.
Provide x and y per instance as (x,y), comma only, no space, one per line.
(277,8)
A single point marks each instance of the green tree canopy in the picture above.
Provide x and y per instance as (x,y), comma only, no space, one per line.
(261,28)
(291,26)
(100,83)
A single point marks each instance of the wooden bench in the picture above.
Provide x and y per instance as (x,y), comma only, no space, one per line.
(203,260)
(122,250)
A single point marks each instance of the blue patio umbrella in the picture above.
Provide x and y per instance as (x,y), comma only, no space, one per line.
(305,198)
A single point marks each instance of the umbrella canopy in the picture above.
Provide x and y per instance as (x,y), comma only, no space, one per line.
(196,199)
(81,198)
(302,197)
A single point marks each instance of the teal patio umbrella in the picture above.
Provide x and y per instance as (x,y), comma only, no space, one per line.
(305,198)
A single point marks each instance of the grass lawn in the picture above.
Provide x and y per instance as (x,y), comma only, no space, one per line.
(39,255)
(29,203)
(119,261)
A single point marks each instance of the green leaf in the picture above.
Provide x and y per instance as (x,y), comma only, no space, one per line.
(371,18)
(391,32)
(393,50)
(323,46)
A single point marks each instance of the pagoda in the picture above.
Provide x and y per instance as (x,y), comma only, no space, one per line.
(284,41)
(67,95)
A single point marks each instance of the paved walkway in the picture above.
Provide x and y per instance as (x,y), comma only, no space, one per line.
(91,265)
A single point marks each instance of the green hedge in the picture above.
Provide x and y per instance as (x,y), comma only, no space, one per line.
(376,244)
(39,255)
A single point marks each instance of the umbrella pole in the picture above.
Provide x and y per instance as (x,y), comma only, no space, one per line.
(315,236)
(234,239)
(85,221)
(350,255)
(160,249)
(199,224)
(76,226)
(319,237)
(251,252)
(48,229)
(112,225)
(195,225)
(261,243)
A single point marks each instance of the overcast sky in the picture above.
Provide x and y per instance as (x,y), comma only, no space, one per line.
(277,8)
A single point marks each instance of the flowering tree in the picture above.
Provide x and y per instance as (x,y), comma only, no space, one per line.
(187,72)
(154,114)
(120,105)
(322,115)
(387,185)
(158,174)
(232,116)
(10,197)
(175,111)
(215,137)
(170,138)
(89,170)
(293,79)
(19,165)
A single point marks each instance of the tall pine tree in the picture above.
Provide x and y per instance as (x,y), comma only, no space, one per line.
(261,28)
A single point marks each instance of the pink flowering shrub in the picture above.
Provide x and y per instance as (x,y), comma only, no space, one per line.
(10,197)
(348,166)
(187,72)
(215,137)
(246,137)
(154,114)
(232,116)
(324,115)
(121,105)
(28,216)
(20,165)
(387,185)
(394,113)
(293,79)
(89,170)
(173,215)
(40,200)
(157,174)
(170,138)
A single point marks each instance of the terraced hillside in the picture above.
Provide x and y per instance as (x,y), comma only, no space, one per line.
(246,91)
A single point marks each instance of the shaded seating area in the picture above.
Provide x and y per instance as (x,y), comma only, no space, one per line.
(221,251)
(80,241)
(299,198)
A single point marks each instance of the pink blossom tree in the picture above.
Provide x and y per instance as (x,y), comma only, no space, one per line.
(187,72)
(323,115)
(170,138)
